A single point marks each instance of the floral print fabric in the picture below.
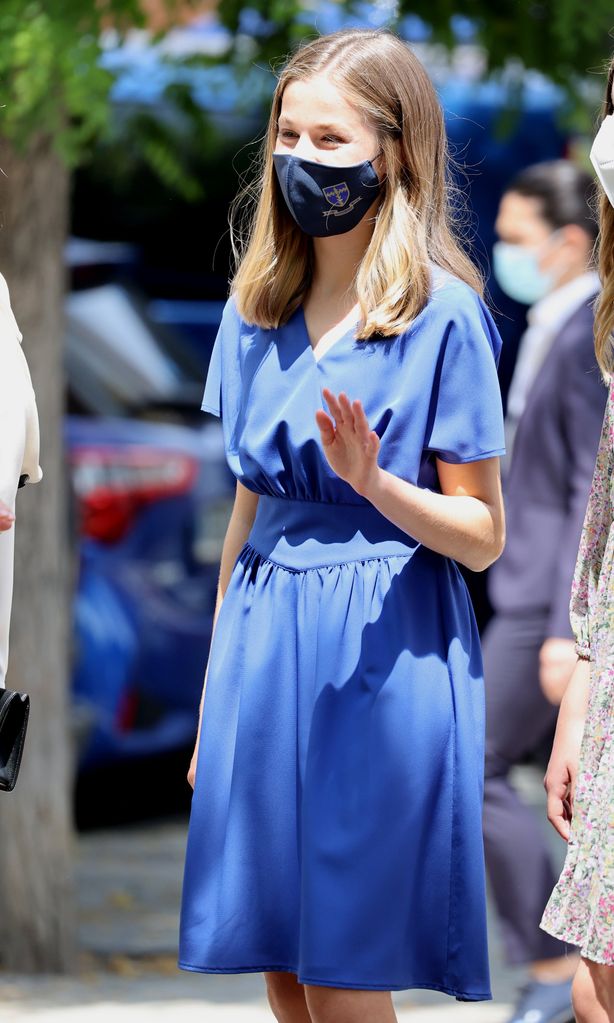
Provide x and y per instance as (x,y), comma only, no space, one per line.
(581,907)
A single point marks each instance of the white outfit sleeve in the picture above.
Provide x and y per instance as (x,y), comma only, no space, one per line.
(19,448)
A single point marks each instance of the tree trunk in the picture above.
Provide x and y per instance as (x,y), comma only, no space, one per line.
(36,885)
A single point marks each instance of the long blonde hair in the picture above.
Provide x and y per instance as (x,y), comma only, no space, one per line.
(414,224)
(604,308)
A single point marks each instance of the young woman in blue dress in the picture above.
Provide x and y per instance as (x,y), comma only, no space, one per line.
(335,832)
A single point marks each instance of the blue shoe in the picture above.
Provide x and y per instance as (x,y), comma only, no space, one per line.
(544,1003)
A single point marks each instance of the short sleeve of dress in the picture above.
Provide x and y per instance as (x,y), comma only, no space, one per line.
(466,413)
(223,380)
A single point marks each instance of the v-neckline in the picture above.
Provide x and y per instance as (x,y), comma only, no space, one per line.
(318,359)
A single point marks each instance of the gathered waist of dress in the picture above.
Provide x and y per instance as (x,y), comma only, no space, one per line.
(307,534)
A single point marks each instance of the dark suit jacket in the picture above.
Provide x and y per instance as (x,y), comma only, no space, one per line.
(546,489)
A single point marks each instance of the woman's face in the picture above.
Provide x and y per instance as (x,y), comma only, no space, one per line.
(317,122)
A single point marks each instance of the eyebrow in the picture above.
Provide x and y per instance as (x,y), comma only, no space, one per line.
(319,127)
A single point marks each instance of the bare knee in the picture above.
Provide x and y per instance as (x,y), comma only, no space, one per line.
(286,997)
(589,995)
(348,1005)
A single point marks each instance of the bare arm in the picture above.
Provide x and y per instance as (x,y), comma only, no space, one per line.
(562,770)
(237,531)
(560,780)
(465,521)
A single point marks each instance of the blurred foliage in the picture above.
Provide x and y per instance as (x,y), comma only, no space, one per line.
(52,80)
(52,83)
(150,175)
(274,27)
(563,39)
(50,77)
(172,142)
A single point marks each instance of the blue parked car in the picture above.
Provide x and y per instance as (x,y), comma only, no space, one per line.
(153,500)
(151,504)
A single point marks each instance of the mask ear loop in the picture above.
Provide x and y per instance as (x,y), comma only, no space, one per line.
(380,181)
(549,239)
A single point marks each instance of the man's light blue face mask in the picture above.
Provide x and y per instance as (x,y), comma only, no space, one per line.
(602,156)
(325,200)
(516,269)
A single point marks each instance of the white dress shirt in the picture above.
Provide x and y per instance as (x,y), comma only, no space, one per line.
(19,448)
(545,320)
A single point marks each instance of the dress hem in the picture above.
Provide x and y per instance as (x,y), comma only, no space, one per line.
(563,935)
(478,456)
(463,996)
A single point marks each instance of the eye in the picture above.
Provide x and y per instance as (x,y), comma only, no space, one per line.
(286,133)
(334,139)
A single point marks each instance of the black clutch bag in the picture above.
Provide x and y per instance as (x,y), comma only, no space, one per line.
(14,711)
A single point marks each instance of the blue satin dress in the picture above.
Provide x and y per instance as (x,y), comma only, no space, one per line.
(335,827)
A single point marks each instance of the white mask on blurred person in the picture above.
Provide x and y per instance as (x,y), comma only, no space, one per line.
(602,156)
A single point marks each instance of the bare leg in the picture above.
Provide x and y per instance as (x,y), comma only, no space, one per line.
(550,971)
(348,1005)
(593,993)
(286,997)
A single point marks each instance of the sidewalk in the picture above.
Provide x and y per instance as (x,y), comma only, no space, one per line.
(105,998)
(129,886)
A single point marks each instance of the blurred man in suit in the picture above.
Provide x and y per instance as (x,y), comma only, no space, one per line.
(555,409)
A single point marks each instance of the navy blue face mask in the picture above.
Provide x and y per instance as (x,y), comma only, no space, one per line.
(326,200)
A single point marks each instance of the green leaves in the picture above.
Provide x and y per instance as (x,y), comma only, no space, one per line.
(565,40)
(50,77)
(52,83)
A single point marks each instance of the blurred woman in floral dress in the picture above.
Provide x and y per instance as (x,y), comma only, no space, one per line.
(580,776)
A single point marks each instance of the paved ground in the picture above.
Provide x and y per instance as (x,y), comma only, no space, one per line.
(129,883)
(139,995)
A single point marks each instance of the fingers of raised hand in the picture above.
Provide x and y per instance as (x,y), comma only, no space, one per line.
(347,414)
(347,411)
(326,424)
(351,420)
(334,405)
(361,424)
(341,408)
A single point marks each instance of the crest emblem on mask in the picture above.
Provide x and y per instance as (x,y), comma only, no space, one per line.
(337,195)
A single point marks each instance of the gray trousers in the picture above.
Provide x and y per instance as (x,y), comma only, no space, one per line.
(519,723)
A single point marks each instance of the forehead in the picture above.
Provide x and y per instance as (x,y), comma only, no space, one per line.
(319,100)
(521,210)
